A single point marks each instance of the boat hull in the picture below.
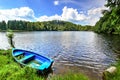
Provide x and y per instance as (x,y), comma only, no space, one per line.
(31,59)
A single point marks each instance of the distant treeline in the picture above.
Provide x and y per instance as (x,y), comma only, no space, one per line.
(54,25)
(110,22)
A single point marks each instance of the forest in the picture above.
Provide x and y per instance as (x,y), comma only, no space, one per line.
(55,25)
(110,22)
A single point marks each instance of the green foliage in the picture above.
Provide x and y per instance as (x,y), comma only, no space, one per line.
(113,3)
(3,25)
(7,71)
(110,22)
(6,54)
(10,36)
(25,73)
(54,25)
(15,72)
(3,61)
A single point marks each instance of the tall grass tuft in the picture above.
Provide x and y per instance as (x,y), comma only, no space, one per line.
(25,73)
(70,76)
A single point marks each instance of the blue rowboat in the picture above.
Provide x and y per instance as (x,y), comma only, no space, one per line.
(32,59)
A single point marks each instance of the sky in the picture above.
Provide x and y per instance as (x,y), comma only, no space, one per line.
(84,12)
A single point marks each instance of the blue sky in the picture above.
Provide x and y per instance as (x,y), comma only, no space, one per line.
(84,12)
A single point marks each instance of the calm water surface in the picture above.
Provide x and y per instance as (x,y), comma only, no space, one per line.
(85,52)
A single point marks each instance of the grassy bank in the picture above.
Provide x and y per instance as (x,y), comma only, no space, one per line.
(114,76)
(10,70)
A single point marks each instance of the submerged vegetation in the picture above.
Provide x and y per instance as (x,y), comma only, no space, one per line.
(10,70)
(54,25)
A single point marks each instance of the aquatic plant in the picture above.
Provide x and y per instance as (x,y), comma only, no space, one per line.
(10,36)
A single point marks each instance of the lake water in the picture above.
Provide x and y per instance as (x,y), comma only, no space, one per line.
(85,52)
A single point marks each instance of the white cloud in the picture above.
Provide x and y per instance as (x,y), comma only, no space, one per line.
(89,17)
(23,13)
(46,18)
(96,10)
(71,14)
(94,15)
(68,14)
(56,2)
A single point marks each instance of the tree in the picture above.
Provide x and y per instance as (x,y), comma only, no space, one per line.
(3,25)
(109,23)
(54,25)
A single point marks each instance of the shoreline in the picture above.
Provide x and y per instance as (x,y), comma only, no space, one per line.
(8,65)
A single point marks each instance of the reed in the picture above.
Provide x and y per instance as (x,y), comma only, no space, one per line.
(10,36)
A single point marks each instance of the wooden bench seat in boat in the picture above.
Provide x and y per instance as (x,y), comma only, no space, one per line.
(17,54)
(27,58)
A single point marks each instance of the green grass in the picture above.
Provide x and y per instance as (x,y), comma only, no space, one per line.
(70,76)
(114,76)
(10,70)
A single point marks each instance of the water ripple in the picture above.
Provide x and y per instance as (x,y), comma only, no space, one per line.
(71,49)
